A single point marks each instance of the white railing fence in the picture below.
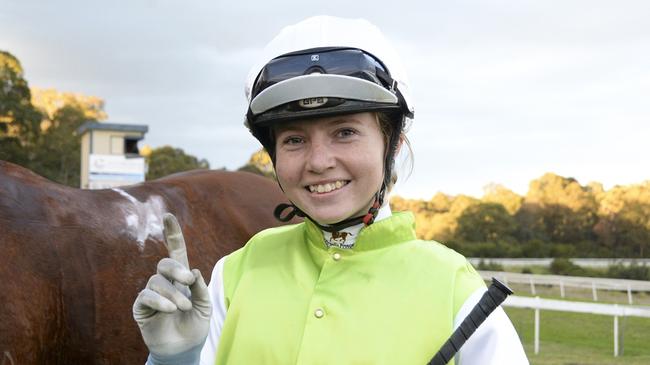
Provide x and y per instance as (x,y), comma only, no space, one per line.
(614,310)
(583,262)
(562,281)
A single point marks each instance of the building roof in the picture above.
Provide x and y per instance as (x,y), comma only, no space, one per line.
(141,128)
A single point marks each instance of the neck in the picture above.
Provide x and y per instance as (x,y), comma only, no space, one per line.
(346,237)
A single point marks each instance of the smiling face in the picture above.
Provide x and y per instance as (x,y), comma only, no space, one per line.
(331,167)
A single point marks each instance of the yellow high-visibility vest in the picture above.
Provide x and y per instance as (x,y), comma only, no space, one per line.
(391,299)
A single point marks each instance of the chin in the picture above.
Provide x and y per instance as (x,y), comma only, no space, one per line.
(327,217)
(333,213)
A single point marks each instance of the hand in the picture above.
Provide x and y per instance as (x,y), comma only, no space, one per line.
(173,311)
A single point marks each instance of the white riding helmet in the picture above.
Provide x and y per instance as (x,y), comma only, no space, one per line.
(324,66)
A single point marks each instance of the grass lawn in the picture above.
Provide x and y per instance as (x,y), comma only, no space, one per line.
(576,338)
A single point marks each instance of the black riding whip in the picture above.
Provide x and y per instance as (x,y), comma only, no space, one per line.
(491,299)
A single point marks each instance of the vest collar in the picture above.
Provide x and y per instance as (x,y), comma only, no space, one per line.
(387,230)
(346,237)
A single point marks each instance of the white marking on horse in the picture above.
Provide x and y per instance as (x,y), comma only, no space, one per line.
(143,219)
(7,356)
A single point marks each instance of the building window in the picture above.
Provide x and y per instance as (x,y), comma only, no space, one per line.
(131,146)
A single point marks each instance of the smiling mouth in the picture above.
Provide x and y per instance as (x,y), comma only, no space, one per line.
(326,188)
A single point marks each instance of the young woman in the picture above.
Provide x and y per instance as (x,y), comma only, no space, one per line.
(351,284)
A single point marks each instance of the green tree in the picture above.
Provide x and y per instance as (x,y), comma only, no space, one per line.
(557,209)
(564,266)
(485,222)
(50,101)
(558,217)
(432,218)
(19,120)
(624,220)
(439,203)
(495,193)
(461,202)
(58,151)
(167,160)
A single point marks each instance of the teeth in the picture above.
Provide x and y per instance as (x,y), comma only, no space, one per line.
(326,188)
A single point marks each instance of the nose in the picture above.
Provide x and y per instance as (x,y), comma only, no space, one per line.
(321,157)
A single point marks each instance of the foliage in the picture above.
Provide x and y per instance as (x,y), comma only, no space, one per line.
(564,266)
(557,209)
(19,120)
(489,266)
(486,249)
(50,101)
(167,160)
(10,63)
(635,272)
(558,217)
(536,248)
(624,220)
(485,222)
(58,151)
(44,143)
(260,163)
(499,194)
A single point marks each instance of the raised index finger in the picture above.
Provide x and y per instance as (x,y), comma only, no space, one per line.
(174,239)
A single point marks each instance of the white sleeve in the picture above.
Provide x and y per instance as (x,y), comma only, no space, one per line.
(495,342)
(217,297)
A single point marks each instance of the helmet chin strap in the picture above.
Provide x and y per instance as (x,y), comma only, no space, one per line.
(367,219)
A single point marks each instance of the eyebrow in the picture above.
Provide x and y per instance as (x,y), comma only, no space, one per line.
(345,119)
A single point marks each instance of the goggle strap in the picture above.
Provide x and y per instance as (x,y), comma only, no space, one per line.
(388,80)
(385,77)
(402,102)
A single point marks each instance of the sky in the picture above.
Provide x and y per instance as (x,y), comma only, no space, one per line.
(504,91)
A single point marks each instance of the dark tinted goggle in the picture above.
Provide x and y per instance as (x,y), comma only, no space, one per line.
(338,61)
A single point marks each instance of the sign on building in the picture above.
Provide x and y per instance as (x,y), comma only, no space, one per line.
(108,171)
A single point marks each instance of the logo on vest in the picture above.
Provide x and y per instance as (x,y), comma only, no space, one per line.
(338,239)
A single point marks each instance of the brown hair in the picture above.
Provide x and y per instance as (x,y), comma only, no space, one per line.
(387,123)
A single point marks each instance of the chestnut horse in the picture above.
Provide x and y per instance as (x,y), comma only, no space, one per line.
(72,261)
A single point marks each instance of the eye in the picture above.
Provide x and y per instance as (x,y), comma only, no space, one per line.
(292,140)
(346,132)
